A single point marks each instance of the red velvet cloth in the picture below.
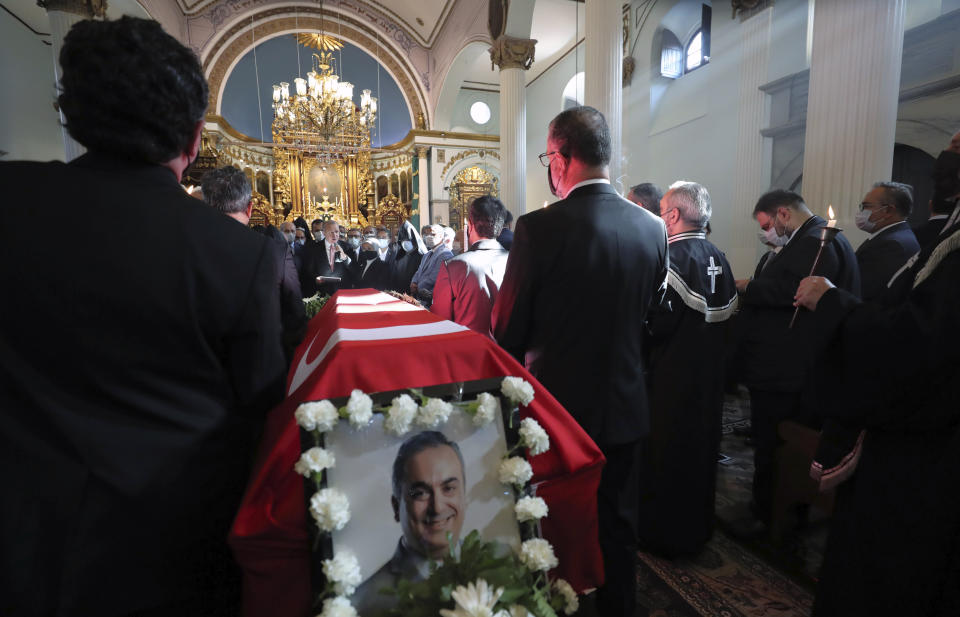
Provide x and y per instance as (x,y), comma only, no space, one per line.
(269,536)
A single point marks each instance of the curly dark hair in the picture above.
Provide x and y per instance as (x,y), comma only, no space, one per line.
(130,89)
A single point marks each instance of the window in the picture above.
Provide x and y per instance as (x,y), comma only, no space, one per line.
(695,51)
(671,56)
(573,92)
(480,112)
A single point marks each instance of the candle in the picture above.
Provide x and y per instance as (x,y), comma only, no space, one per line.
(833,220)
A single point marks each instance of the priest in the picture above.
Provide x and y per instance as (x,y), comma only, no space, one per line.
(685,362)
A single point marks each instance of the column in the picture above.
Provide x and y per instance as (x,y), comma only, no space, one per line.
(603,79)
(852,106)
(753,175)
(422,203)
(63,14)
(514,56)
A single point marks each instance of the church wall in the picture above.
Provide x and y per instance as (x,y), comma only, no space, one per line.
(29,126)
(461,122)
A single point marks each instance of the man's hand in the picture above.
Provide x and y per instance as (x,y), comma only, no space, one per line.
(742,284)
(810,291)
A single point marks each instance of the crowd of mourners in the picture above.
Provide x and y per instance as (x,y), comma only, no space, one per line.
(138,359)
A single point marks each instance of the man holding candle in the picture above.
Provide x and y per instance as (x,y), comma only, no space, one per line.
(776,356)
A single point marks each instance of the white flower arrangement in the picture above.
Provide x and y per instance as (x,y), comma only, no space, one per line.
(530,509)
(515,470)
(343,571)
(338,607)
(314,460)
(434,413)
(359,409)
(399,417)
(571,604)
(331,509)
(534,437)
(517,390)
(537,554)
(319,416)
(474,600)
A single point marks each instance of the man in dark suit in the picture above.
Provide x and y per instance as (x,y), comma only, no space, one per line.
(228,191)
(326,257)
(775,357)
(138,359)
(467,285)
(586,348)
(883,213)
(946,190)
(506,236)
(646,195)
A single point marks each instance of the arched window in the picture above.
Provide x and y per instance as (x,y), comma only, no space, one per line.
(671,55)
(694,55)
(573,92)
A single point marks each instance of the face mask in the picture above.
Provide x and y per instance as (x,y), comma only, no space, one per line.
(770,237)
(407,246)
(553,188)
(368,255)
(354,242)
(301,241)
(430,241)
(289,235)
(864,222)
(384,242)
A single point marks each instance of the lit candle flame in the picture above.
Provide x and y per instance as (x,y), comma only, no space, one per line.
(830,212)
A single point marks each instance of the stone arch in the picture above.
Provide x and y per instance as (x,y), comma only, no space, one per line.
(223,54)
(453,79)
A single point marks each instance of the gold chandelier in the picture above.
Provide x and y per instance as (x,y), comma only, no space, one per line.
(322,105)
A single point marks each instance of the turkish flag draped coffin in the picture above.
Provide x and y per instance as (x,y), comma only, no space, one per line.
(369,340)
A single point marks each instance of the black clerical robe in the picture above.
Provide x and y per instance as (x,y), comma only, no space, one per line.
(685,373)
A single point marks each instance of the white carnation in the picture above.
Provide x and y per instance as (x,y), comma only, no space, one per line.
(338,607)
(530,509)
(517,390)
(570,601)
(317,416)
(515,470)
(517,610)
(537,554)
(330,508)
(434,413)
(314,460)
(359,409)
(487,410)
(344,572)
(534,437)
(400,416)
(473,600)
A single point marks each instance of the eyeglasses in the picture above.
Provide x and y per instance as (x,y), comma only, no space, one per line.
(866,206)
(545,157)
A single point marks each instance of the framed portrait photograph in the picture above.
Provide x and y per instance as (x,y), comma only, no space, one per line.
(413,497)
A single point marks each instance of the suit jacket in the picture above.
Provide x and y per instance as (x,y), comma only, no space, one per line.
(405,564)
(580,278)
(316,263)
(467,286)
(136,364)
(293,317)
(882,255)
(776,357)
(298,255)
(376,274)
(929,231)
(505,238)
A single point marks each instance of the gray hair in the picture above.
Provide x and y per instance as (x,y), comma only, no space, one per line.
(416,444)
(692,201)
(449,234)
(901,196)
(227,189)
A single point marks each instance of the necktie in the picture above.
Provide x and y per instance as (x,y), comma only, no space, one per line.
(332,259)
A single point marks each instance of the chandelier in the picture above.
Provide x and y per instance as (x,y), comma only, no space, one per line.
(322,105)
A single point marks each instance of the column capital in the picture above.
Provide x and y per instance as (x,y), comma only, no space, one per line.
(512,53)
(87,9)
(422,151)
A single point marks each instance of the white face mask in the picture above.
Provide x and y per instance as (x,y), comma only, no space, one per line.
(289,235)
(354,242)
(384,242)
(430,241)
(301,241)
(864,222)
(407,246)
(770,237)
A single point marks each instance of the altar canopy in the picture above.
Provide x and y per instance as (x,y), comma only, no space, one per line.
(372,341)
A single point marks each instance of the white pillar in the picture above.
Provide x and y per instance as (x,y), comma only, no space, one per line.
(63,15)
(603,81)
(513,56)
(423,167)
(753,175)
(852,105)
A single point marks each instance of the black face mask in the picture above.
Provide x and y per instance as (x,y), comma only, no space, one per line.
(946,182)
(368,255)
(553,188)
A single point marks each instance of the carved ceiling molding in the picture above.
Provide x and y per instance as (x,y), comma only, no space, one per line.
(464,154)
(87,9)
(267,24)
